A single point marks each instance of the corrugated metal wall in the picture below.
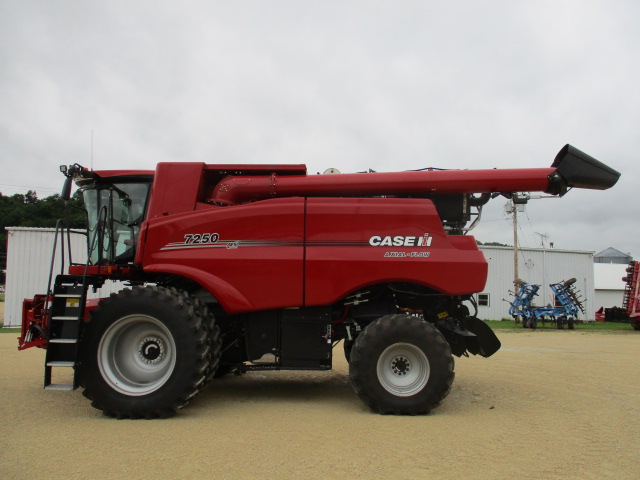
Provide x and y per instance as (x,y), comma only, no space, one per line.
(540,266)
(608,298)
(28,263)
(609,284)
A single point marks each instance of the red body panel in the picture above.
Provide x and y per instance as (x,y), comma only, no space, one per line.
(272,254)
(33,313)
(340,258)
(255,262)
(178,187)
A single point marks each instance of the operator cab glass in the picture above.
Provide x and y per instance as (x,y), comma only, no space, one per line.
(115,212)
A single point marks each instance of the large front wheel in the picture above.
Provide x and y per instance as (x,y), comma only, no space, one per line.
(146,351)
(402,365)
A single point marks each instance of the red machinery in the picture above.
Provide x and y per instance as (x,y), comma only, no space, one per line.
(246,267)
(631,301)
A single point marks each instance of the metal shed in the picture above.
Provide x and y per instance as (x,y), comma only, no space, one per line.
(535,265)
(609,286)
(28,263)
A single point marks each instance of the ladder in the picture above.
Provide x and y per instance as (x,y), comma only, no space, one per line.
(66,310)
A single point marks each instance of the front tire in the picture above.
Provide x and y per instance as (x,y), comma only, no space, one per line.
(401,364)
(146,352)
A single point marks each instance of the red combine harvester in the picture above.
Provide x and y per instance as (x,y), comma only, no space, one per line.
(234,268)
(631,300)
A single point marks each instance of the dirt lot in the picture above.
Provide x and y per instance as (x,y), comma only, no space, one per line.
(550,405)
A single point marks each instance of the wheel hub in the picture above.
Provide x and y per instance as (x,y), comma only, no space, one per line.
(403,369)
(136,355)
(151,350)
(400,366)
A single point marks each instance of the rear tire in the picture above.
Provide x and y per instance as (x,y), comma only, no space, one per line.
(146,352)
(402,365)
(348,346)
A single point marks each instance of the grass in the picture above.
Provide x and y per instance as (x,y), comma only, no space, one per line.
(591,326)
(10,330)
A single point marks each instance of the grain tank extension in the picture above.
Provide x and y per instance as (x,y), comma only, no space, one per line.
(236,268)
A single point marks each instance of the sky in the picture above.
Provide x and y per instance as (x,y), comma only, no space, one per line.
(353,85)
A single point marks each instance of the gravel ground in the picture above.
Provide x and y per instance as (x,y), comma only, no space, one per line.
(550,405)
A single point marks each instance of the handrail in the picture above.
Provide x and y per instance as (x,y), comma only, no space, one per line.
(59,232)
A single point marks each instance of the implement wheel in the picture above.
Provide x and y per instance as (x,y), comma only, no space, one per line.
(401,365)
(146,352)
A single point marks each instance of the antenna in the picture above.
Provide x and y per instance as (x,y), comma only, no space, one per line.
(543,238)
(92,149)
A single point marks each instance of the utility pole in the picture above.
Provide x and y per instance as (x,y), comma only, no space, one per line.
(513,209)
(515,246)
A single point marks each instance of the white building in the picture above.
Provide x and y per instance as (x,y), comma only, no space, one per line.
(609,285)
(539,266)
(29,262)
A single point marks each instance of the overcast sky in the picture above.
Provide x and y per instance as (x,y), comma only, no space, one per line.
(347,84)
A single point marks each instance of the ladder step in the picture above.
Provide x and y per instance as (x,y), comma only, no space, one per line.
(59,386)
(60,364)
(63,340)
(61,317)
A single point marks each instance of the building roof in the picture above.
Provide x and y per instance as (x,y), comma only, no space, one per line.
(612,255)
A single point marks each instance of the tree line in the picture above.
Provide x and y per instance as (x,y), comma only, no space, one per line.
(30,211)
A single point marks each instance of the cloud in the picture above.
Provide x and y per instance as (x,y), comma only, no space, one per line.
(352,85)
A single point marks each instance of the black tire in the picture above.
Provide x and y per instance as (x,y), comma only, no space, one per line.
(224,370)
(402,365)
(348,346)
(146,352)
(214,340)
(560,323)
(571,323)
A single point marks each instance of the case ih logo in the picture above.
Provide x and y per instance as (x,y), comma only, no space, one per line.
(401,241)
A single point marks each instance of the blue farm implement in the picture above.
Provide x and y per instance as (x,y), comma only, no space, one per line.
(567,304)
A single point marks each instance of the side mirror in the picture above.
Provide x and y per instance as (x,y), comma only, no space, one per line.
(66,189)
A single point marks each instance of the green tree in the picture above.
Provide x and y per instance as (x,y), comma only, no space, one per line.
(29,211)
